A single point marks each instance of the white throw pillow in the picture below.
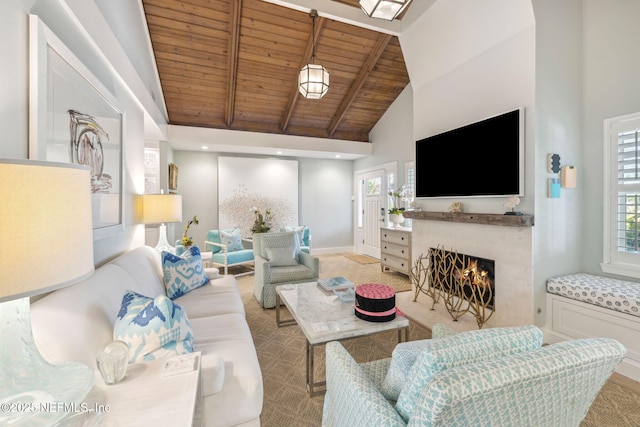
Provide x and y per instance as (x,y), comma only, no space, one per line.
(280,257)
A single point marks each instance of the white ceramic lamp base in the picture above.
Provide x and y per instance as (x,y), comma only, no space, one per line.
(30,381)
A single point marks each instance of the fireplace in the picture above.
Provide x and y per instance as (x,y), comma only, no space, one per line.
(506,239)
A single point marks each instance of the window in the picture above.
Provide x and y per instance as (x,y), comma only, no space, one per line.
(374,186)
(151,171)
(622,196)
(410,183)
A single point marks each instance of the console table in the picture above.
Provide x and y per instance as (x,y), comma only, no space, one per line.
(395,249)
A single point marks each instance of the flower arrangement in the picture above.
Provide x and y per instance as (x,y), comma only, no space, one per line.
(396,196)
(188,240)
(261,224)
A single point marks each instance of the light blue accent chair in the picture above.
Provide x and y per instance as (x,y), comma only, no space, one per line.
(224,256)
(304,235)
(278,261)
(489,377)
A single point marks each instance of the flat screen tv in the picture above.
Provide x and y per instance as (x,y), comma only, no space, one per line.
(482,159)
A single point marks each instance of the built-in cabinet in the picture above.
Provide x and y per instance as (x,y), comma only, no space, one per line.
(395,249)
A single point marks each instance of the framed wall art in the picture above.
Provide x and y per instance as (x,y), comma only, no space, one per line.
(173,177)
(73,118)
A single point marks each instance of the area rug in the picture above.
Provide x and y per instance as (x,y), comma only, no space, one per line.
(239,270)
(362,259)
(281,353)
(332,265)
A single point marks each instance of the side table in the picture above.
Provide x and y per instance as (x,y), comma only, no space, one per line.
(146,395)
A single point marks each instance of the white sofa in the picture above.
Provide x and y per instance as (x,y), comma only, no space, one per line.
(74,322)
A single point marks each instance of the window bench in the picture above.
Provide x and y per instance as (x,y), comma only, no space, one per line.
(584,305)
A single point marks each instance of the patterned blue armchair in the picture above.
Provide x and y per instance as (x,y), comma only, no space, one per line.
(279,260)
(497,377)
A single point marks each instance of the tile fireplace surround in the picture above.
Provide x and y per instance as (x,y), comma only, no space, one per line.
(506,239)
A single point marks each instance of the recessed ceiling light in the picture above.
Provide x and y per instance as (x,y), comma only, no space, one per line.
(337,156)
(278,152)
(204,147)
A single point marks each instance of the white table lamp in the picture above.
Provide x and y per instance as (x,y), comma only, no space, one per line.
(46,243)
(162,208)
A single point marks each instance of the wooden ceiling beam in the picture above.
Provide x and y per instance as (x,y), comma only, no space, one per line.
(232,70)
(293,97)
(376,52)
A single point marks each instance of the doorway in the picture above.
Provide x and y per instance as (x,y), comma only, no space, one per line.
(371,205)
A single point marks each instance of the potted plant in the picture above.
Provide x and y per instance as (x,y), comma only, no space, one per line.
(188,240)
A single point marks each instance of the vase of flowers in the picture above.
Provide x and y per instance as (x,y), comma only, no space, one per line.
(395,210)
(261,223)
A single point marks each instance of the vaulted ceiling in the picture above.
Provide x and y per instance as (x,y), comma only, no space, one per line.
(233,64)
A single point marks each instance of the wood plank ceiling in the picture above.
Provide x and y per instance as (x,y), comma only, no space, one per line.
(233,64)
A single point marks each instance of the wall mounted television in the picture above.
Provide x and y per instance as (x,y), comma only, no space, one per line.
(481,159)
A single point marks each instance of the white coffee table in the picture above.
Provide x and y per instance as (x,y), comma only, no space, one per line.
(323,318)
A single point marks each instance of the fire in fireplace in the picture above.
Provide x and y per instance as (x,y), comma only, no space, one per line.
(460,278)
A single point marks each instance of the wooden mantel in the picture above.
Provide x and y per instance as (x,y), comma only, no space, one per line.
(486,219)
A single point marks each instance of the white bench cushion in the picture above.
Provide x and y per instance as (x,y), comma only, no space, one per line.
(618,295)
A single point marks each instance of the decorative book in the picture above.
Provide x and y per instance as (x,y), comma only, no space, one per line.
(335,284)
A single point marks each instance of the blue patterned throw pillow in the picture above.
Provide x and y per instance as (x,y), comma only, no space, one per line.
(153,328)
(183,273)
(404,356)
(233,239)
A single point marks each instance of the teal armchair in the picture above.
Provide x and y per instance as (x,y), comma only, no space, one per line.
(278,261)
(497,377)
(227,249)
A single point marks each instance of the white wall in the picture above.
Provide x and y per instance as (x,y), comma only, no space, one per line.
(15,92)
(392,136)
(611,88)
(472,60)
(558,121)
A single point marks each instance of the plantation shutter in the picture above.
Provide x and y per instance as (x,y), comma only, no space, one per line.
(628,191)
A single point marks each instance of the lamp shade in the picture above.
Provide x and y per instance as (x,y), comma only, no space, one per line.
(313,81)
(383,9)
(158,208)
(46,233)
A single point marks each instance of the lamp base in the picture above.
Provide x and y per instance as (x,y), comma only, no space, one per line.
(42,393)
(163,243)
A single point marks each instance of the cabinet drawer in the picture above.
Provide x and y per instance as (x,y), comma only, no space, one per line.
(396,250)
(397,237)
(396,263)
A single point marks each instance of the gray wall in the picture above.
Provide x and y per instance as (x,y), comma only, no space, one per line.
(324,197)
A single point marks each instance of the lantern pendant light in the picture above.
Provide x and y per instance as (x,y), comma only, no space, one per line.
(383,9)
(313,80)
